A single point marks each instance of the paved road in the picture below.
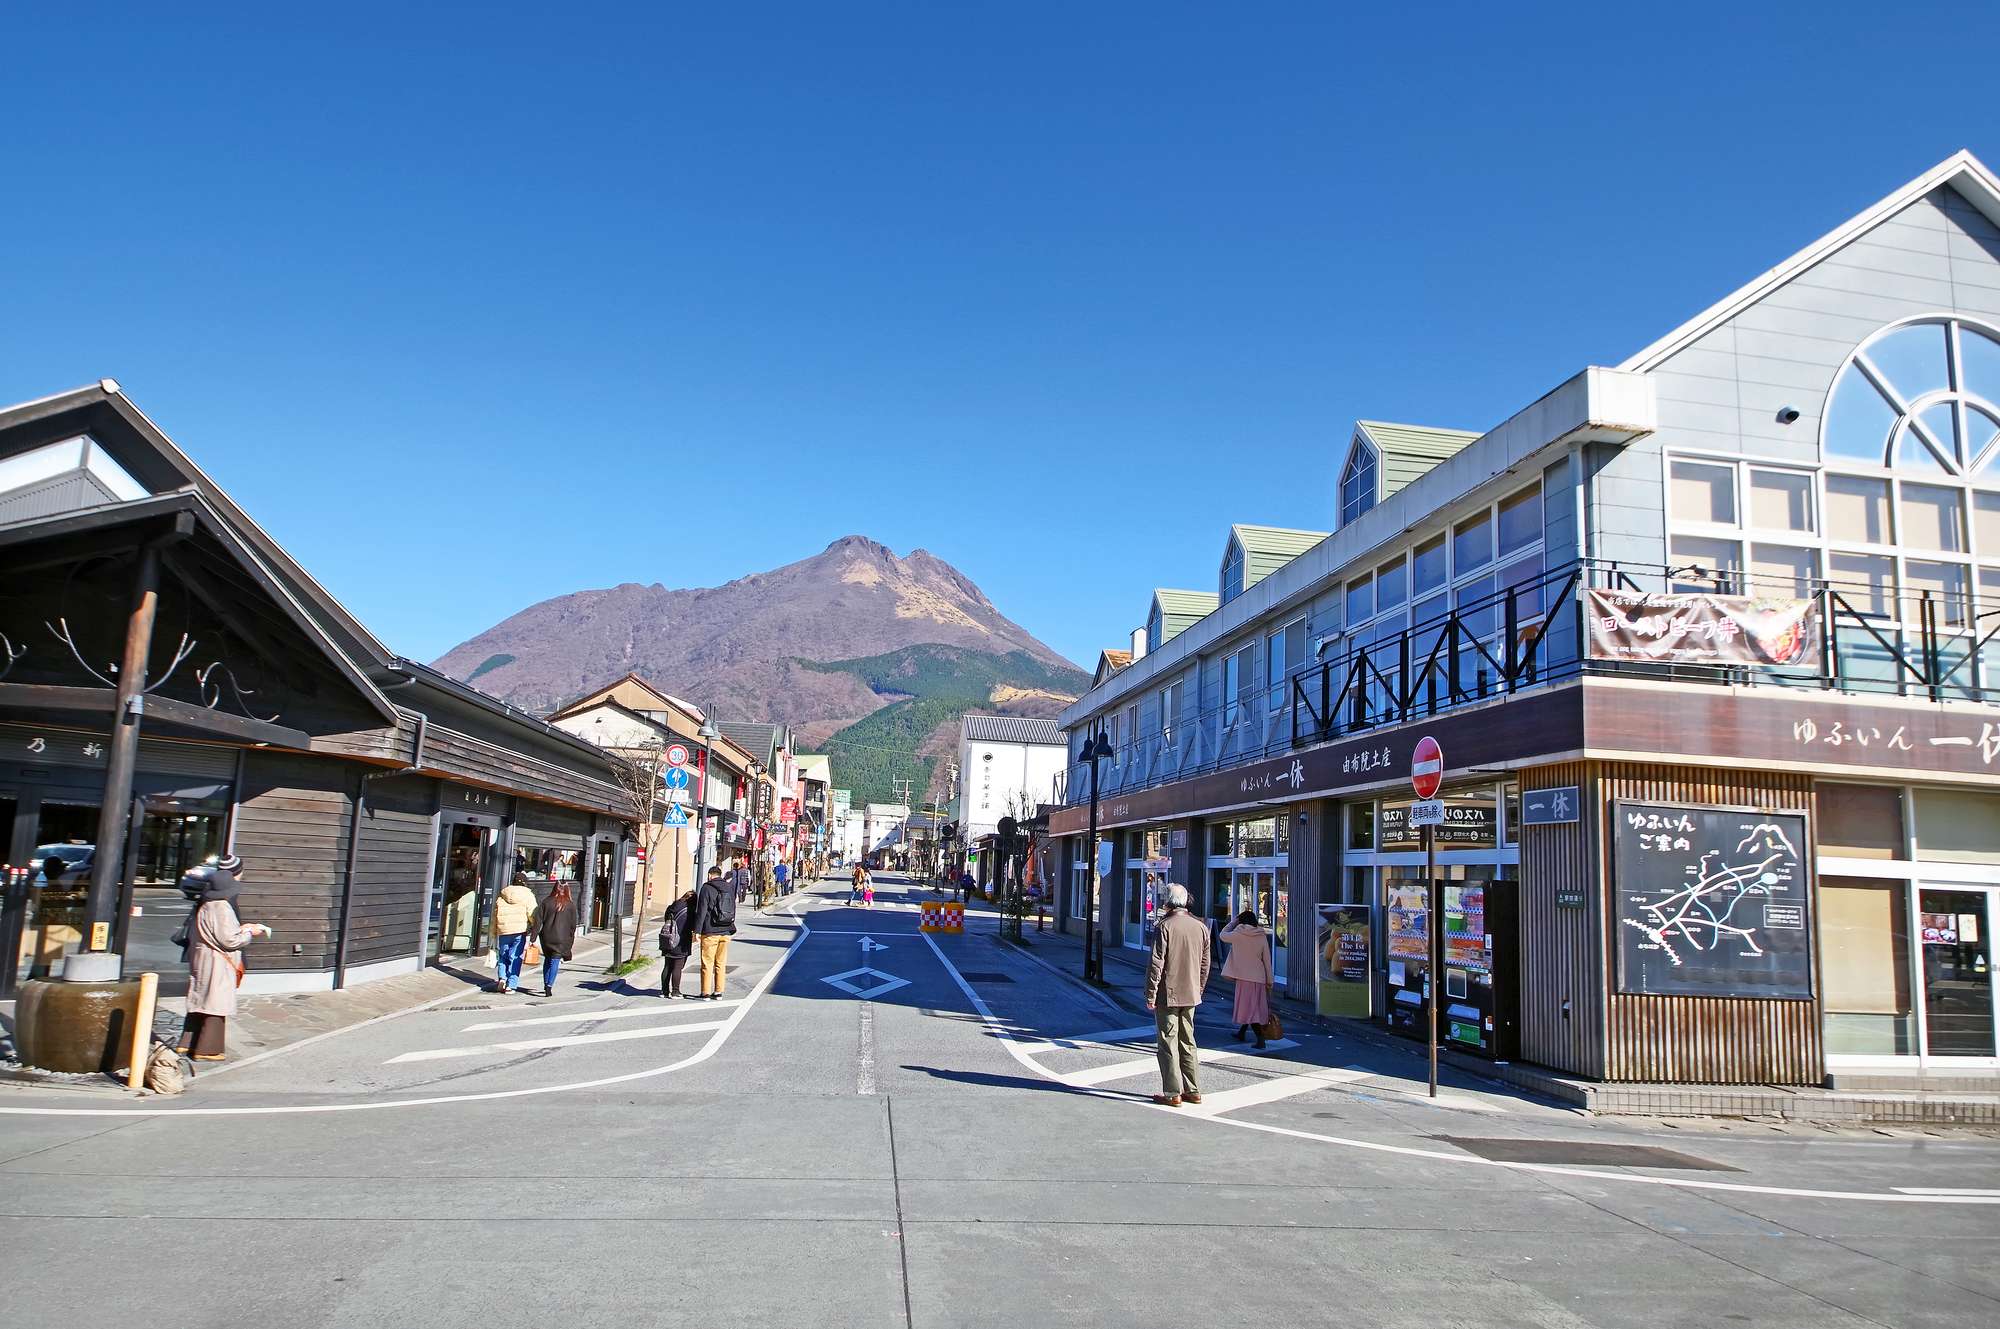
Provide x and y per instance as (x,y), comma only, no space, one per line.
(956,1135)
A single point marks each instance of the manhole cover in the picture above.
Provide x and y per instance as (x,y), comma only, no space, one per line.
(1584,1153)
(985,978)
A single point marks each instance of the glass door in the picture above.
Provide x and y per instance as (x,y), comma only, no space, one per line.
(1958,971)
(1135,907)
(456,894)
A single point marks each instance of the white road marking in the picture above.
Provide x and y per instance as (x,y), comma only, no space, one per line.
(864,1075)
(1021,1054)
(1085,1040)
(1945,1190)
(1274,1090)
(883,982)
(664,1008)
(1119,1070)
(573,1040)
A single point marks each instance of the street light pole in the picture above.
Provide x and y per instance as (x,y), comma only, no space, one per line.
(1094,750)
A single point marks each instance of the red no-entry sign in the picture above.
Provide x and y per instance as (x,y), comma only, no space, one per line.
(1426,767)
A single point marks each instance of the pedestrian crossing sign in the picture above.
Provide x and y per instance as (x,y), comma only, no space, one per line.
(676,815)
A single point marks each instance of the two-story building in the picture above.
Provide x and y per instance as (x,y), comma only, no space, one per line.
(1706,640)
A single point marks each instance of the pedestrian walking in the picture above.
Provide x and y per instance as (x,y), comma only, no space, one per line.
(1175,980)
(859,878)
(784,875)
(676,939)
(714,913)
(511,913)
(966,885)
(554,926)
(868,892)
(215,941)
(742,879)
(1249,964)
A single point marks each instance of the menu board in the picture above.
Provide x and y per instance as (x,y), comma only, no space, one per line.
(1468,824)
(1711,902)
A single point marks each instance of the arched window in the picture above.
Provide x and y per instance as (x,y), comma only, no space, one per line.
(1155,628)
(1232,571)
(1921,395)
(1357,482)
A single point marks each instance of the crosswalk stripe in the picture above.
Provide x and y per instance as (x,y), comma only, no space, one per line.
(1119,1070)
(664,1008)
(1270,1091)
(530,1044)
(1037,1047)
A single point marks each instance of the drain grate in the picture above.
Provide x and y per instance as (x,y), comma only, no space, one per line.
(1584,1153)
(984,978)
(470,1008)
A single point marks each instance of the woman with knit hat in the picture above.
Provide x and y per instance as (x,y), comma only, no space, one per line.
(216,939)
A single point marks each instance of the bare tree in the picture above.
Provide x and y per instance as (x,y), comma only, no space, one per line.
(638,770)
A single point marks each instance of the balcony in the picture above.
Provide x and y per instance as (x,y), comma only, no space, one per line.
(1873,641)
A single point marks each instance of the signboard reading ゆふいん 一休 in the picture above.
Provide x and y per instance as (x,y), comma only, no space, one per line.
(1711,902)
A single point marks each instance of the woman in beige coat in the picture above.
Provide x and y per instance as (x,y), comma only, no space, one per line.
(215,962)
(1249,964)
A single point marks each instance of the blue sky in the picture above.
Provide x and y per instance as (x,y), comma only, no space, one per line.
(475,305)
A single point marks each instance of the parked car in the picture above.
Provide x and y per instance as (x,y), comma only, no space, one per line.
(79,857)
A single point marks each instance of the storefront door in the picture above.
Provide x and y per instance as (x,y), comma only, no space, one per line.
(1263,892)
(458,894)
(1958,971)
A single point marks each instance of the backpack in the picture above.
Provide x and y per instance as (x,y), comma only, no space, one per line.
(670,934)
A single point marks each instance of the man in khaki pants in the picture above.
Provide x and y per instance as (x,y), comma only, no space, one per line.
(1174,984)
(713,920)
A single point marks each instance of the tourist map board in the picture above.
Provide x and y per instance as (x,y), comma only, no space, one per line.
(1711,902)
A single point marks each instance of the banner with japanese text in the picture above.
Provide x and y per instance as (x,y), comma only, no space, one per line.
(1703,629)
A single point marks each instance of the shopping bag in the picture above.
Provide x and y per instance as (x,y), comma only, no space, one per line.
(533,955)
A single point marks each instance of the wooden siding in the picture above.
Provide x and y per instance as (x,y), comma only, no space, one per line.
(478,762)
(292,821)
(536,822)
(1704,1040)
(1562,949)
(392,870)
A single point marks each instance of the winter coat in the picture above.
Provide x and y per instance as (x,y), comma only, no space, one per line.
(214,967)
(676,939)
(714,912)
(554,929)
(1249,953)
(512,910)
(1179,969)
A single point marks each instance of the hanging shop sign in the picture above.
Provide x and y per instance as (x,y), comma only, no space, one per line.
(1711,902)
(1704,629)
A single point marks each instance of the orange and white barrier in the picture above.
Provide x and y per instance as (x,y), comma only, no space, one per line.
(942,918)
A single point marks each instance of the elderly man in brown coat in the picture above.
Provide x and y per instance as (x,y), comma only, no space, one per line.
(1174,984)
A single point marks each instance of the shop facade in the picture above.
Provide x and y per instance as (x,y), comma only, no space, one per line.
(1709,643)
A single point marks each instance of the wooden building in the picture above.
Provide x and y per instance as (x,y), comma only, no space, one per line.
(377,805)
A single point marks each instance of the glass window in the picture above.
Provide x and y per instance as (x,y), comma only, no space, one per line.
(1232,684)
(1940,423)
(1472,544)
(1521,519)
(1955,826)
(1946,584)
(1232,572)
(1257,839)
(1427,570)
(1933,518)
(1218,840)
(1979,364)
(1858,419)
(1782,570)
(1274,658)
(1912,359)
(1986,524)
(1716,556)
(1867,582)
(1781,500)
(1135,844)
(1360,601)
(1913,454)
(1865,966)
(1432,609)
(1860,820)
(1357,483)
(1153,629)
(1392,585)
(1982,430)
(1524,579)
(1479,620)
(1702,492)
(1858,509)
(1360,825)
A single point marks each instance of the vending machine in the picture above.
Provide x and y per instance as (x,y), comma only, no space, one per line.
(1479,1006)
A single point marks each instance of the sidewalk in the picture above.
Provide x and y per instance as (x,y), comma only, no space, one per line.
(1845,1104)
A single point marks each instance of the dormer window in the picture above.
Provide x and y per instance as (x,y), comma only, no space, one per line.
(1232,571)
(1155,628)
(1357,482)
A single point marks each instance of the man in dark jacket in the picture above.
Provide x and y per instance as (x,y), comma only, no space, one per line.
(713,920)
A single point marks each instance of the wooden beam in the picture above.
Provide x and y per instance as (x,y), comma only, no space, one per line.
(45,697)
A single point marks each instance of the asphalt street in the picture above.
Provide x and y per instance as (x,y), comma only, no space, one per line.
(880,1127)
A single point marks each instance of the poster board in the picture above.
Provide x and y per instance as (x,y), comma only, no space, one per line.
(1711,902)
(1345,979)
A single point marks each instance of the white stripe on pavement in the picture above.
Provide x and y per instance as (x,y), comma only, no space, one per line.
(530,1044)
(1119,1070)
(1036,1047)
(664,1008)
(1281,1087)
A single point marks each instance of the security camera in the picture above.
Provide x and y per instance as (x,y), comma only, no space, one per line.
(1788,416)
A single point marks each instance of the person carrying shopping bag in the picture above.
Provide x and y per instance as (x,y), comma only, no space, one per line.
(1249,964)
(215,941)
(511,913)
(676,940)
(554,927)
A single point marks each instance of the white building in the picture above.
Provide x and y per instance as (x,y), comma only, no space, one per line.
(1007,766)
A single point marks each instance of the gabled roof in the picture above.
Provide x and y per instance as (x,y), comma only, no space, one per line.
(1407,451)
(1012,729)
(1961,171)
(1268,548)
(1178,609)
(1109,663)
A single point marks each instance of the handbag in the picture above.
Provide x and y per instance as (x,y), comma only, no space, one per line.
(533,955)
(1272,1029)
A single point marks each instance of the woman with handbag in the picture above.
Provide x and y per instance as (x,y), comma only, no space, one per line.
(215,940)
(553,927)
(675,943)
(1249,964)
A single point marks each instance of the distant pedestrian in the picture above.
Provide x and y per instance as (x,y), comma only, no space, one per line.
(676,940)
(554,926)
(511,913)
(1174,983)
(967,884)
(1249,964)
(868,892)
(742,879)
(859,879)
(714,915)
(216,939)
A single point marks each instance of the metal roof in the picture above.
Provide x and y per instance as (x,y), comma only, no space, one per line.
(1407,451)
(1012,729)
